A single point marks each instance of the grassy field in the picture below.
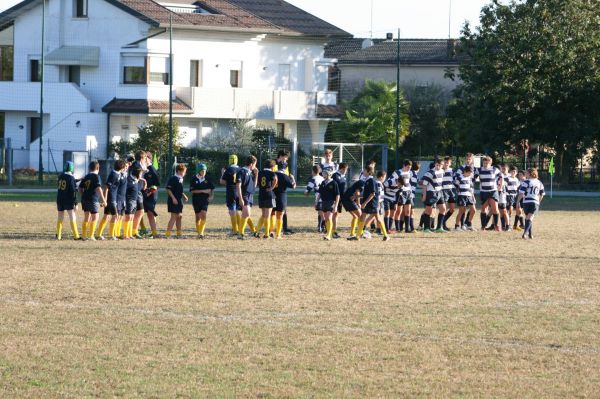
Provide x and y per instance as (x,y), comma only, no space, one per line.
(454,315)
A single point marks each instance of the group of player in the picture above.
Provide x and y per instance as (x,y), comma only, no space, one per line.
(385,203)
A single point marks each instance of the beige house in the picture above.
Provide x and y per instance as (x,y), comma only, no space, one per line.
(423,62)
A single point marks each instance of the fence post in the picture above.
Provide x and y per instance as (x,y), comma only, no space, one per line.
(9,161)
(295,157)
(384,157)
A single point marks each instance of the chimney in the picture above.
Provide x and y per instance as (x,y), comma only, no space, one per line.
(389,37)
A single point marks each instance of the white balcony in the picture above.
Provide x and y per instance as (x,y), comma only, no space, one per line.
(232,103)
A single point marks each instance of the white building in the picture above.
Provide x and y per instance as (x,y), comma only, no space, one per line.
(423,62)
(107,70)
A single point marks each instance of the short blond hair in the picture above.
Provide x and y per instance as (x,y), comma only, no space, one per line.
(533,172)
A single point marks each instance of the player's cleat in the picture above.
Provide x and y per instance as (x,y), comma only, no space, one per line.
(114,239)
(411,232)
(420,228)
(386,238)
(518,228)
(458,228)
(352,238)
(288,232)
(58,238)
(241,237)
(427,231)
(392,232)
(256,234)
(490,228)
(366,235)
(201,236)
(336,235)
(100,238)
(440,230)
(326,238)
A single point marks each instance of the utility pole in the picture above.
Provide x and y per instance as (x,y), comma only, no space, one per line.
(397,157)
(171,171)
(41,132)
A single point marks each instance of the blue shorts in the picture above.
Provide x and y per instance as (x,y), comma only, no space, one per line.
(389,205)
(511,201)
(266,201)
(405,198)
(281,202)
(350,206)
(327,206)
(111,209)
(465,200)
(130,207)
(65,206)
(530,208)
(150,203)
(231,200)
(247,200)
(449,196)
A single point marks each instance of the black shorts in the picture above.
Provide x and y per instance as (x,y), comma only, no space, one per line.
(200,203)
(433,198)
(371,209)
(121,207)
(130,207)
(266,201)
(340,207)
(327,206)
(449,196)
(281,202)
(65,206)
(530,208)
(389,205)
(465,200)
(405,198)
(150,203)
(90,206)
(140,204)
(319,206)
(247,200)
(175,208)
(231,200)
(511,201)
(111,209)
(350,206)
(493,195)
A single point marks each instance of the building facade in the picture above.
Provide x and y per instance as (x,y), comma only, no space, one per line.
(107,70)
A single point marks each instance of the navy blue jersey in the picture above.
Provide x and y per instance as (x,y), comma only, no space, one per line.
(266,180)
(112,183)
(135,165)
(230,176)
(358,185)
(122,189)
(328,190)
(340,179)
(200,183)
(151,177)
(245,177)
(133,189)
(89,184)
(67,189)
(175,184)
(371,187)
(284,182)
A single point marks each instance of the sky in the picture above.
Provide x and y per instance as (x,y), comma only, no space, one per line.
(415,18)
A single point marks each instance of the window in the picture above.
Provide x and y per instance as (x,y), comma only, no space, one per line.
(80,8)
(74,74)
(133,75)
(35,127)
(195,73)
(234,78)
(159,77)
(159,70)
(35,70)
(6,62)
(281,130)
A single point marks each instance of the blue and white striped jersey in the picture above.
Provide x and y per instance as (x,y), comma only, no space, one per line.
(433,180)
(314,183)
(512,185)
(464,185)
(489,178)
(414,181)
(380,193)
(404,182)
(391,188)
(448,182)
(330,166)
(532,190)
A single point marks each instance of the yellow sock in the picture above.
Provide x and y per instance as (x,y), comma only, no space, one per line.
(267,224)
(59,227)
(179,233)
(198,224)
(84,227)
(92,229)
(259,226)
(112,230)
(243,225)
(273,223)
(353,227)
(135,232)
(234,224)
(329,225)
(251,225)
(279,227)
(361,228)
(238,217)
(103,224)
(168,233)
(383,229)
(74,230)
(202,226)
(130,229)
(154,233)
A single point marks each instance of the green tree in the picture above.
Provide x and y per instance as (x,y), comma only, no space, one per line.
(370,116)
(153,136)
(531,71)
